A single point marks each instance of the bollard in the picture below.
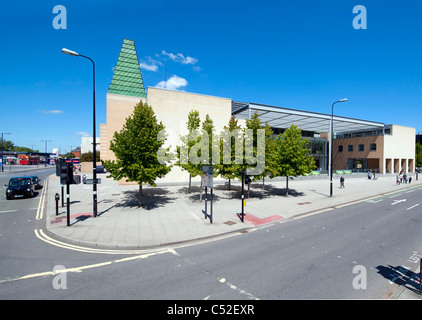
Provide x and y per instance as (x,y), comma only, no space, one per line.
(57,197)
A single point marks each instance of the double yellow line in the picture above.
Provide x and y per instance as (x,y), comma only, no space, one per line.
(40,209)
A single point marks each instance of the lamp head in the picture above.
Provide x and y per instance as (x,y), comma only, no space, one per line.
(70,52)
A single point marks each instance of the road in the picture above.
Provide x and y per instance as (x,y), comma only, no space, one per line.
(361,251)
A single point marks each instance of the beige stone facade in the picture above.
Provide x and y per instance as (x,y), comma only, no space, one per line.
(172,109)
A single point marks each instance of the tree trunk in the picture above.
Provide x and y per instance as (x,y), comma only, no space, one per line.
(287,186)
(200,197)
(140,194)
(263,181)
(249,186)
(229,184)
(190,179)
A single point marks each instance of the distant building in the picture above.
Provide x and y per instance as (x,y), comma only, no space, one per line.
(86,144)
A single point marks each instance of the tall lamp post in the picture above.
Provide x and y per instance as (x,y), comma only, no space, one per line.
(46,150)
(94,162)
(331,146)
(2,160)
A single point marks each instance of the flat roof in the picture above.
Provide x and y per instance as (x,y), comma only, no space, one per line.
(278,117)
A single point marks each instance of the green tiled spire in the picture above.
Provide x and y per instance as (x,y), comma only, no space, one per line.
(127,77)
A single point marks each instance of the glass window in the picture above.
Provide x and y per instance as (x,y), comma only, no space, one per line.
(361,147)
(373,147)
(350,147)
(340,149)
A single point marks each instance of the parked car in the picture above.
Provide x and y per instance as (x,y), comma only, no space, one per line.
(100,169)
(37,182)
(20,187)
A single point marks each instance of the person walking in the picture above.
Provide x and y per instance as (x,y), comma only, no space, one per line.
(341,182)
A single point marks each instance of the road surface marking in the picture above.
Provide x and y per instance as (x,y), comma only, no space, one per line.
(412,206)
(398,201)
(232,286)
(40,209)
(82,268)
(43,237)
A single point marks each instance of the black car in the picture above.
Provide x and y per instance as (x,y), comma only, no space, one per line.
(20,187)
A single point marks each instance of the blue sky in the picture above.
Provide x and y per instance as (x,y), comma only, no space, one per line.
(294,54)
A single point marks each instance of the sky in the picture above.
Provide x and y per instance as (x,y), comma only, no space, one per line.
(295,54)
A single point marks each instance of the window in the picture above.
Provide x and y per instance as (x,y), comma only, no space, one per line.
(350,147)
(340,149)
(360,147)
(373,147)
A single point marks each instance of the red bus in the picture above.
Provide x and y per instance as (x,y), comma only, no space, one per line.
(30,160)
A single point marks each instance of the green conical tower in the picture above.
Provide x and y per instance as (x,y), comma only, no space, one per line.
(127,76)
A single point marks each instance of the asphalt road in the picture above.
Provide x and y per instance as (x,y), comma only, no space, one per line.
(376,244)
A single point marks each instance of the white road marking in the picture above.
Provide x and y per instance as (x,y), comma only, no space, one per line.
(82,268)
(243,292)
(40,210)
(398,201)
(42,236)
(412,206)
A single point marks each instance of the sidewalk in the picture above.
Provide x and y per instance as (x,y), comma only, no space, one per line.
(172,214)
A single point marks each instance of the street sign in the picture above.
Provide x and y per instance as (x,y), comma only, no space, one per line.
(91,181)
(207,178)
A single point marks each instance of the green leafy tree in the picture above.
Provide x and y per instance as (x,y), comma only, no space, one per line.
(88,156)
(138,147)
(263,156)
(188,141)
(231,151)
(418,155)
(292,156)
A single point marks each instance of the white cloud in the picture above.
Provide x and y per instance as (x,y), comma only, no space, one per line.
(83,134)
(179,57)
(174,83)
(150,64)
(52,111)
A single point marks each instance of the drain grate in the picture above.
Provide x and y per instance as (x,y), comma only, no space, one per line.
(230,223)
(302,203)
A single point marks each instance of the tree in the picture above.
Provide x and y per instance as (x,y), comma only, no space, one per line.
(188,142)
(418,155)
(138,149)
(292,157)
(263,147)
(88,156)
(231,151)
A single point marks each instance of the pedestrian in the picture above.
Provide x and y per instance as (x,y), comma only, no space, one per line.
(369,175)
(397,180)
(84,178)
(341,182)
(410,178)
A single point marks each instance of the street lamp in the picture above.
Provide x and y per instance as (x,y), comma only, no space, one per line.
(2,161)
(94,163)
(331,146)
(46,150)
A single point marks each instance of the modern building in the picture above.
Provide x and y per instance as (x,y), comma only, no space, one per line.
(357,145)
(86,144)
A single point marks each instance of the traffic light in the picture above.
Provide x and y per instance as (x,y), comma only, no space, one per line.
(247,179)
(66,172)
